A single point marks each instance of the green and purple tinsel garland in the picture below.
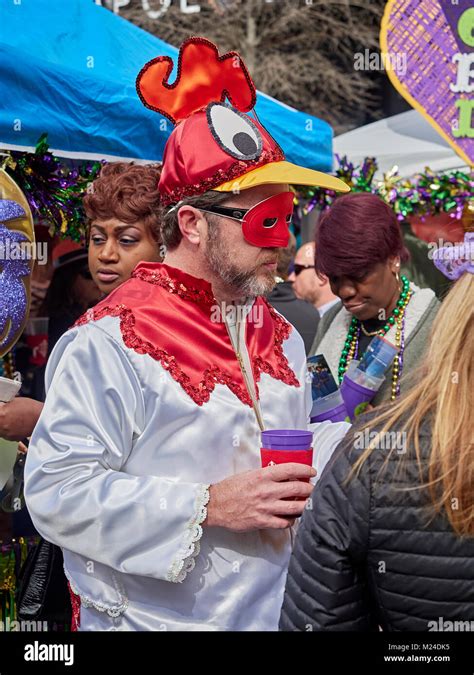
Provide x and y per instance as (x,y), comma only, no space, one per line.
(54,190)
(422,195)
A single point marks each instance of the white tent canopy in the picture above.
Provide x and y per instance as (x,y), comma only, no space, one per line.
(406,140)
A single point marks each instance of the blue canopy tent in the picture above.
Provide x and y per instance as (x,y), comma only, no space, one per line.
(69,69)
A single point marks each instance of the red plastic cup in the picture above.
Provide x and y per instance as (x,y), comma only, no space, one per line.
(281,446)
(271,457)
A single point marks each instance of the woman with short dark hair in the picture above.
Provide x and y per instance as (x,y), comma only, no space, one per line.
(359,247)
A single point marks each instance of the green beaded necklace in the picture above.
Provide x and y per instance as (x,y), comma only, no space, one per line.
(352,339)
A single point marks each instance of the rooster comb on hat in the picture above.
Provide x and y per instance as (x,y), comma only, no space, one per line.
(215,144)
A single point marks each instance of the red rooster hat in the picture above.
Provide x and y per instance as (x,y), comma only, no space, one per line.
(215,145)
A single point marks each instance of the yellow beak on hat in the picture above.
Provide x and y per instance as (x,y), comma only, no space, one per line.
(283,172)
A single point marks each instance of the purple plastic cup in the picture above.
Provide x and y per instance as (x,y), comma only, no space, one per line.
(330,408)
(287,439)
(354,394)
(338,414)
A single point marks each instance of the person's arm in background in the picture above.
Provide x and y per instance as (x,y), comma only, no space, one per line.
(326,587)
(18,418)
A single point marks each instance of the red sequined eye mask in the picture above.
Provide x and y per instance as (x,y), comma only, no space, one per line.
(264,225)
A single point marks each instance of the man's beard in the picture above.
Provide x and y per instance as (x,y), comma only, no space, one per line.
(243,283)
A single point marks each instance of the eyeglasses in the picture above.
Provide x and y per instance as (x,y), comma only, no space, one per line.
(299,268)
(239,214)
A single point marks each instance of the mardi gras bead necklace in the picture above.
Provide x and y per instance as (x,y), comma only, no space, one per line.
(351,345)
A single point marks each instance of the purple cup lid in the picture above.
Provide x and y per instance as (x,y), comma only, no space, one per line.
(287,438)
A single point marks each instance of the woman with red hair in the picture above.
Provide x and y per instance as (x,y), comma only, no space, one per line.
(122,207)
(359,247)
(125,228)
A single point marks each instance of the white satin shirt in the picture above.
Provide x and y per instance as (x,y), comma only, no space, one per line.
(117,475)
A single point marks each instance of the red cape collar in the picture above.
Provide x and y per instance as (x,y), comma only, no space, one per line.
(166,313)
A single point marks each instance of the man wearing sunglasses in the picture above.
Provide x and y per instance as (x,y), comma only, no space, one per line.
(307,285)
(173,378)
(301,314)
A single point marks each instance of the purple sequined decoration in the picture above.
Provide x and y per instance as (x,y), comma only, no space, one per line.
(10,210)
(14,264)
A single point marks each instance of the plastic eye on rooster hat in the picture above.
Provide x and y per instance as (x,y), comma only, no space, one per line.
(216,145)
(16,261)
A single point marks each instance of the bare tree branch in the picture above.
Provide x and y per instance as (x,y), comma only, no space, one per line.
(299,51)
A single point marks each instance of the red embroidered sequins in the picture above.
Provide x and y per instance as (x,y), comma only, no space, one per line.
(76,609)
(211,377)
(198,291)
(186,293)
(282,332)
(237,169)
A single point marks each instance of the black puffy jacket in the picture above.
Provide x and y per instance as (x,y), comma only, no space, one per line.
(366,554)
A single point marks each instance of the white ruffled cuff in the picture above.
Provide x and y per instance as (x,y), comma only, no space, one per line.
(112,610)
(184,561)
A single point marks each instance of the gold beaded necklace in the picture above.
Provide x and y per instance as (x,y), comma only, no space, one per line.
(367,332)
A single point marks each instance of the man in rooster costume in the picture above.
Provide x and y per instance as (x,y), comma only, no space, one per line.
(145,465)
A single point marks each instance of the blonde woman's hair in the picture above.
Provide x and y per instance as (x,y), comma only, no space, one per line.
(444,393)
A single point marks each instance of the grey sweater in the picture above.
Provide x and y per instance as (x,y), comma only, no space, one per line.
(420,314)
